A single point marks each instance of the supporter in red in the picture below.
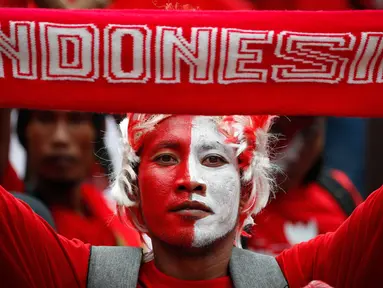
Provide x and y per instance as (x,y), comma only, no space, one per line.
(307,202)
(195,176)
(60,156)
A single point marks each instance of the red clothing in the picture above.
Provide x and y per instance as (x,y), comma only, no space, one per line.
(151,277)
(14,3)
(99,227)
(298,216)
(350,257)
(33,255)
(11,181)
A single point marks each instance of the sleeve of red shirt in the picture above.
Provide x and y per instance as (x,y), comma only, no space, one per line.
(349,257)
(31,253)
(11,182)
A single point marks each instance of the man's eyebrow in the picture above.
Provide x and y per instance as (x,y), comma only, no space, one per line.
(214,145)
(166,144)
(210,146)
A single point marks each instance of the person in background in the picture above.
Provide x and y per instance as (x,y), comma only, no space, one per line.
(309,200)
(60,161)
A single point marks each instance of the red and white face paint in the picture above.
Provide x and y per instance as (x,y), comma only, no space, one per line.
(189,182)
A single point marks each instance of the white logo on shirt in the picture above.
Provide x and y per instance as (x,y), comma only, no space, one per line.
(300,232)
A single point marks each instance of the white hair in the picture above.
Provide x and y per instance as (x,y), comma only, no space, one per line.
(257,175)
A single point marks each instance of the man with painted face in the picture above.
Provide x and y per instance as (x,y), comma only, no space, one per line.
(190,183)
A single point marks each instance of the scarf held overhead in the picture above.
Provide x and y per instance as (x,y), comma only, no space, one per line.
(193,62)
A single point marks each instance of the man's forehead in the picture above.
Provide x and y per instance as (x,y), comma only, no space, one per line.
(176,128)
(186,124)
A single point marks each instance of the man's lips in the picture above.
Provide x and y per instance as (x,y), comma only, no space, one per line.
(191,205)
(60,160)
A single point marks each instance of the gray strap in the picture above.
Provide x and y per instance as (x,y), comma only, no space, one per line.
(114,267)
(118,267)
(252,270)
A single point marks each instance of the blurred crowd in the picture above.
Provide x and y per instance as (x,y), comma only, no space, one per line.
(66,161)
(61,163)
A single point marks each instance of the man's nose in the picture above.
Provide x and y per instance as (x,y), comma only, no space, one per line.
(186,185)
(61,137)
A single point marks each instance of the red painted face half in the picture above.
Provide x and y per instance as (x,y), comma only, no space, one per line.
(189,182)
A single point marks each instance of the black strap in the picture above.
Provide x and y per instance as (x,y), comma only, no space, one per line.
(340,194)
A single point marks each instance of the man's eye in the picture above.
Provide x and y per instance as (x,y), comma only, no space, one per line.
(45,117)
(166,160)
(214,161)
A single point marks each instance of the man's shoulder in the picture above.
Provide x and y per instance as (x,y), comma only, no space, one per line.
(118,266)
(249,268)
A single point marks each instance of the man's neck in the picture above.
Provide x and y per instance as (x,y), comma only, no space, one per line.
(67,195)
(193,263)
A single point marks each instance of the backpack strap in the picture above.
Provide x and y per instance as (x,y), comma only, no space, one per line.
(252,270)
(339,193)
(113,267)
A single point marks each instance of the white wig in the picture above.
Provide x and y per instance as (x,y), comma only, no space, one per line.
(249,135)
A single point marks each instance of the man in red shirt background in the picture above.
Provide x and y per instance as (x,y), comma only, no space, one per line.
(61,149)
(305,202)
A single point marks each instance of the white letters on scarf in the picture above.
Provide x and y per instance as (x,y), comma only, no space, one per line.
(75,52)
(236,54)
(55,40)
(20,47)
(199,54)
(141,37)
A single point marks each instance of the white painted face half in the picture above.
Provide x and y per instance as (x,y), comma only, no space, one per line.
(223,184)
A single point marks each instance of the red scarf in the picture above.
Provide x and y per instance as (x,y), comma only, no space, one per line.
(284,63)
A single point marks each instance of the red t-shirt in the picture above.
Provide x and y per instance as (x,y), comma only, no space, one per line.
(299,216)
(350,257)
(99,227)
(33,255)
(151,277)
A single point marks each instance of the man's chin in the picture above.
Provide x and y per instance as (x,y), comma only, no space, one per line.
(62,182)
(190,243)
